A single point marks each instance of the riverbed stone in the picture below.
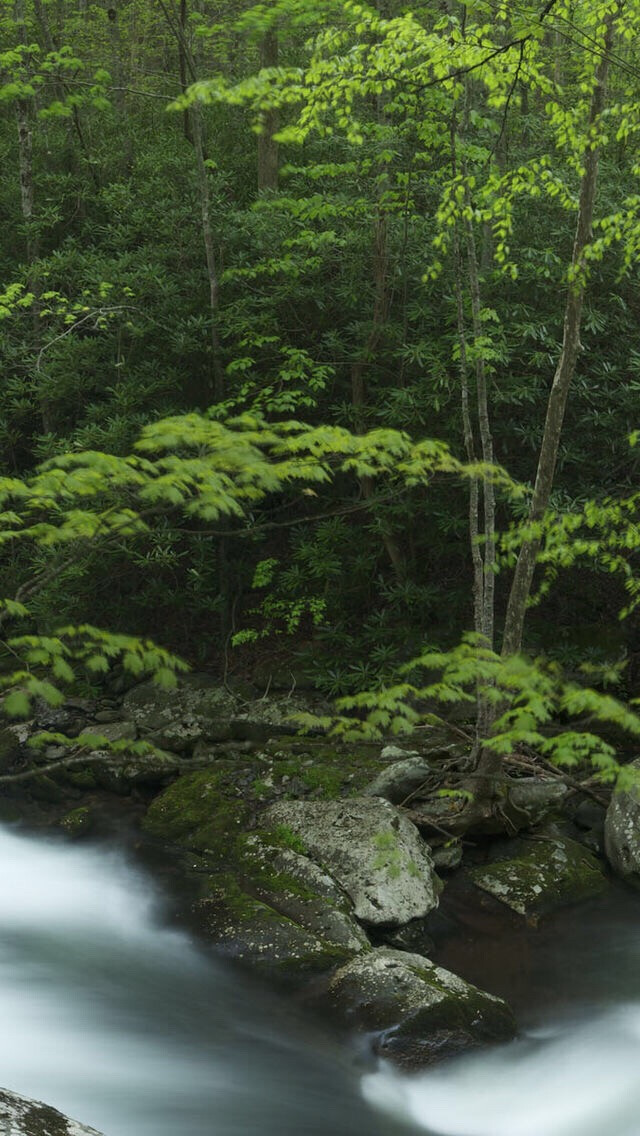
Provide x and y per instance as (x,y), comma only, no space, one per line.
(372,851)
(622,826)
(22,1117)
(541,875)
(419,1011)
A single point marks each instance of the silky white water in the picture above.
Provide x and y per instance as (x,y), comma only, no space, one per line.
(125,1025)
(128,1026)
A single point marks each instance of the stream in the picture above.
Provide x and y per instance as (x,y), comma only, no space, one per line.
(127,1025)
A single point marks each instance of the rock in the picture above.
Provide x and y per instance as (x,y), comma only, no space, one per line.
(118,773)
(201,811)
(372,851)
(536,797)
(177,719)
(279,908)
(622,826)
(13,740)
(447,857)
(401,779)
(21,1117)
(117,731)
(78,822)
(201,710)
(541,875)
(589,815)
(419,1010)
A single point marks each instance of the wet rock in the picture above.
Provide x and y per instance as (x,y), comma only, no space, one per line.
(622,826)
(541,875)
(119,773)
(420,1011)
(21,1117)
(372,851)
(278,908)
(79,822)
(198,709)
(400,780)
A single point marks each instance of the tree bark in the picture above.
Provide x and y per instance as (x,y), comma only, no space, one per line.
(565,370)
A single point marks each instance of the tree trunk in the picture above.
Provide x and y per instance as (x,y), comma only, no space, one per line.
(268,164)
(547,460)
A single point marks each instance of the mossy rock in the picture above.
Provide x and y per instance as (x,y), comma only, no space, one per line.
(542,875)
(77,823)
(21,1117)
(315,767)
(201,811)
(419,1011)
(252,931)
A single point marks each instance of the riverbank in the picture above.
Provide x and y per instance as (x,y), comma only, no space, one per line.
(320,864)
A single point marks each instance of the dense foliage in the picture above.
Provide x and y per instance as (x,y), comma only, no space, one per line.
(389,222)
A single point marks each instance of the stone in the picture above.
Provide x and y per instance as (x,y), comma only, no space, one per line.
(541,875)
(201,811)
(77,823)
(176,719)
(371,850)
(400,780)
(419,1011)
(622,826)
(447,857)
(13,740)
(119,773)
(536,797)
(278,908)
(116,731)
(21,1117)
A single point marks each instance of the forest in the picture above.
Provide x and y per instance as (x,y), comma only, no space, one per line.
(320,356)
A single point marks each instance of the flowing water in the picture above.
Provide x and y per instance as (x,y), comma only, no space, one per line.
(128,1026)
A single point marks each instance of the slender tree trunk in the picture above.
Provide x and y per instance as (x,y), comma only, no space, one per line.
(182,64)
(565,370)
(268,162)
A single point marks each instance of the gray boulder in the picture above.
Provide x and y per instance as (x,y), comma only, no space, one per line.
(200,710)
(536,797)
(622,826)
(420,1011)
(400,780)
(539,876)
(371,850)
(276,907)
(21,1117)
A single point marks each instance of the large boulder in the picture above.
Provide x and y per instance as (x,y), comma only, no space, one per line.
(419,1011)
(21,1117)
(622,826)
(402,779)
(258,896)
(277,908)
(372,851)
(538,876)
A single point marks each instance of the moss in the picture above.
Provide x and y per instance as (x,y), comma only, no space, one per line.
(77,822)
(542,876)
(281,836)
(327,770)
(202,811)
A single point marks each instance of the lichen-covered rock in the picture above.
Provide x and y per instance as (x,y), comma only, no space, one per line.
(622,827)
(21,1117)
(177,719)
(278,908)
(77,823)
(541,875)
(419,1010)
(400,780)
(201,710)
(371,850)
